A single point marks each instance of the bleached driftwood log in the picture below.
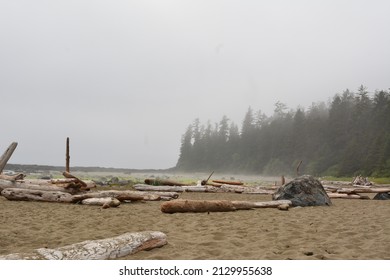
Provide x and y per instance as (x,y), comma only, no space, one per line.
(7,155)
(103,249)
(197,206)
(42,185)
(363,190)
(347,196)
(36,195)
(127,195)
(12,178)
(106,202)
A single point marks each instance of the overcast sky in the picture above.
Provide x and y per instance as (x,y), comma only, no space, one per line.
(124,79)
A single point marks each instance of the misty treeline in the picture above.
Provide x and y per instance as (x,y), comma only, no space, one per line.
(349,135)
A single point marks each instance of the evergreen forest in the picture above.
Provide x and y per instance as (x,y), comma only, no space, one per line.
(348,135)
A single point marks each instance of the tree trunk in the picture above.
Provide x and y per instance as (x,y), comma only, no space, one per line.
(198,206)
(7,155)
(36,195)
(103,249)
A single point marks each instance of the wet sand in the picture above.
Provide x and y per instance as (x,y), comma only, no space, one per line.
(347,230)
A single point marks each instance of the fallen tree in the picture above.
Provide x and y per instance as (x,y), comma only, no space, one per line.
(198,206)
(103,249)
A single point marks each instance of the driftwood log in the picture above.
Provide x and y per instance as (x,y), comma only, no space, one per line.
(13,178)
(127,195)
(224,182)
(36,195)
(50,195)
(103,249)
(198,206)
(106,202)
(363,190)
(162,182)
(43,185)
(347,196)
(7,155)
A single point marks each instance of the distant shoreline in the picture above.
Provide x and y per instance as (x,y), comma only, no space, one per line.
(36,167)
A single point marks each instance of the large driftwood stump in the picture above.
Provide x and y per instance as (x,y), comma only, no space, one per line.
(103,249)
(198,206)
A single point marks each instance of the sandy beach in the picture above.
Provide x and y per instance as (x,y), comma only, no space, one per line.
(350,229)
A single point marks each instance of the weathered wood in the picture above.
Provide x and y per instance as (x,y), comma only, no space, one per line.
(198,206)
(204,182)
(19,176)
(120,195)
(103,249)
(298,166)
(363,190)
(102,201)
(224,182)
(36,195)
(7,155)
(162,182)
(143,187)
(347,196)
(41,185)
(67,157)
(70,176)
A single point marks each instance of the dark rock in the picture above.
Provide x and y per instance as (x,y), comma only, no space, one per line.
(382,196)
(303,191)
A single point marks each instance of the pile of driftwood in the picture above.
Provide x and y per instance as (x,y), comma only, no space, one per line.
(353,191)
(215,186)
(67,190)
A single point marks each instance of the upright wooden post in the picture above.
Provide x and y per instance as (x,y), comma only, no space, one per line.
(299,165)
(7,154)
(67,169)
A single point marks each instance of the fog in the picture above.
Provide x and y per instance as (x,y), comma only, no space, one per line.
(123,79)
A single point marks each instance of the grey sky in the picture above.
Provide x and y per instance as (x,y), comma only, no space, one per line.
(123,79)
